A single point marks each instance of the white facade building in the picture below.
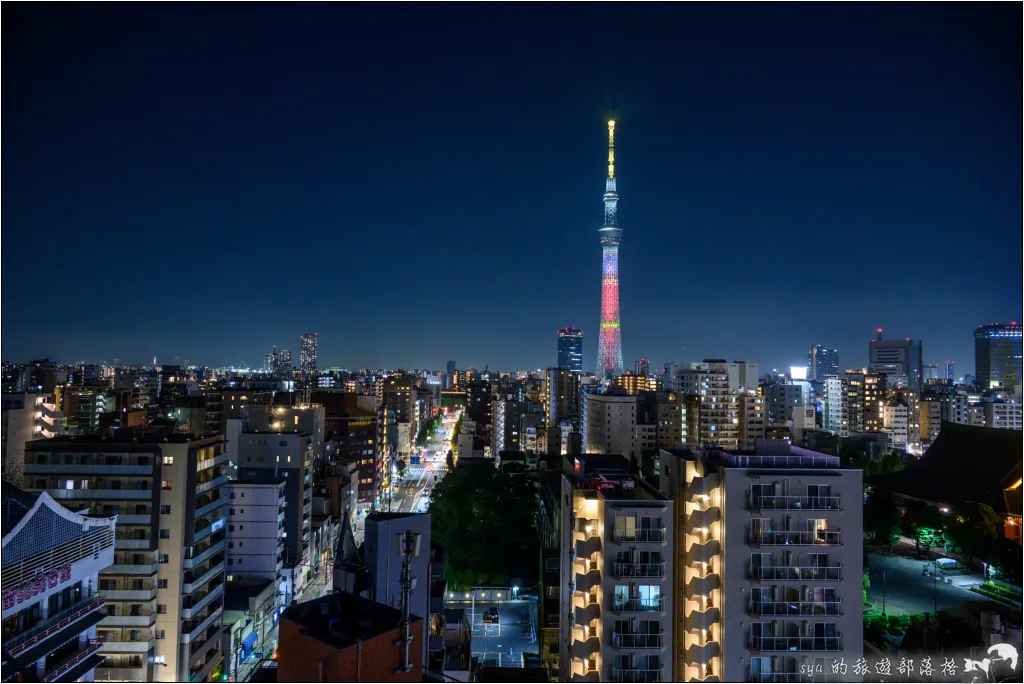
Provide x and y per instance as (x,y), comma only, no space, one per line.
(834,416)
(256,534)
(895,419)
(51,602)
(1004,415)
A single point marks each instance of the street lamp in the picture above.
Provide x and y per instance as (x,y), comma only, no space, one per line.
(883,591)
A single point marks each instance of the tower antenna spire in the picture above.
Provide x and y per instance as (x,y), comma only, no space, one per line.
(611,149)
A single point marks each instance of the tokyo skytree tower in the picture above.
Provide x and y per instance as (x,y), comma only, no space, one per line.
(609,343)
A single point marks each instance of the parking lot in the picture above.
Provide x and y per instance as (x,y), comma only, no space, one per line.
(503,642)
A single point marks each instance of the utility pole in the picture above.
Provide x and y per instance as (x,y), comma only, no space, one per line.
(408,545)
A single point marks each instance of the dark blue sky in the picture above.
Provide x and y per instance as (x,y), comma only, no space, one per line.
(423,182)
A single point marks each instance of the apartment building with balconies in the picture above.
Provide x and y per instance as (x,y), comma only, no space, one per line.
(618,625)
(717,402)
(770,545)
(51,604)
(164,588)
(26,417)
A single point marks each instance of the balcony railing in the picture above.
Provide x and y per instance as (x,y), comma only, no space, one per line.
(144,594)
(638,569)
(193,629)
(121,674)
(130,569)
(636,674)
(772,677)
(142,618)
(795,643)
(91,647)
(655,536)
(793,503)
(100,493)
(639,606)
(212,483)
(197,603)
(203,555)
(53,624)
(193,585)
(792,573)
(794,537)
(633,640)
(795,607)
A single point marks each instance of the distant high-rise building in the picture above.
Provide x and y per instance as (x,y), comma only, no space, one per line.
(570,349)
(780,400)
(562,400)
(853,400)
(874,401)
(668,376)
(822,362)
(950,375)
(637,383)
(399,395)
(307,357)
(717,413)
(451,367)
(835,418)
(742,374)
(931,371)
(609,341)
(753,418)
(898,359)
(508,418)
(278,364)
(609,424)
(997,355)
(643,367)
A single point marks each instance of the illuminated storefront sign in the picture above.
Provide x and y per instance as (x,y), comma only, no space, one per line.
(43,580)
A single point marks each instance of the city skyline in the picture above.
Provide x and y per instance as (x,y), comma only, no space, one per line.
(183,171)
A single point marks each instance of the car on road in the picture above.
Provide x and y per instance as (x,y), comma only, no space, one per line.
(491,615)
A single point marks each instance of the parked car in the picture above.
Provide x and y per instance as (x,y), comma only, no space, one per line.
(491,614)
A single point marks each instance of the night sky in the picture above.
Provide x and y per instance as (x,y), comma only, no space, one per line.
(422,182)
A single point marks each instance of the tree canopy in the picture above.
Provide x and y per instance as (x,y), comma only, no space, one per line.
(487,522)
(882,518)
(973,530)
(921,522)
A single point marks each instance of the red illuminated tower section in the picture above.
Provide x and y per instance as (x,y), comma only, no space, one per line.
(609,341)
